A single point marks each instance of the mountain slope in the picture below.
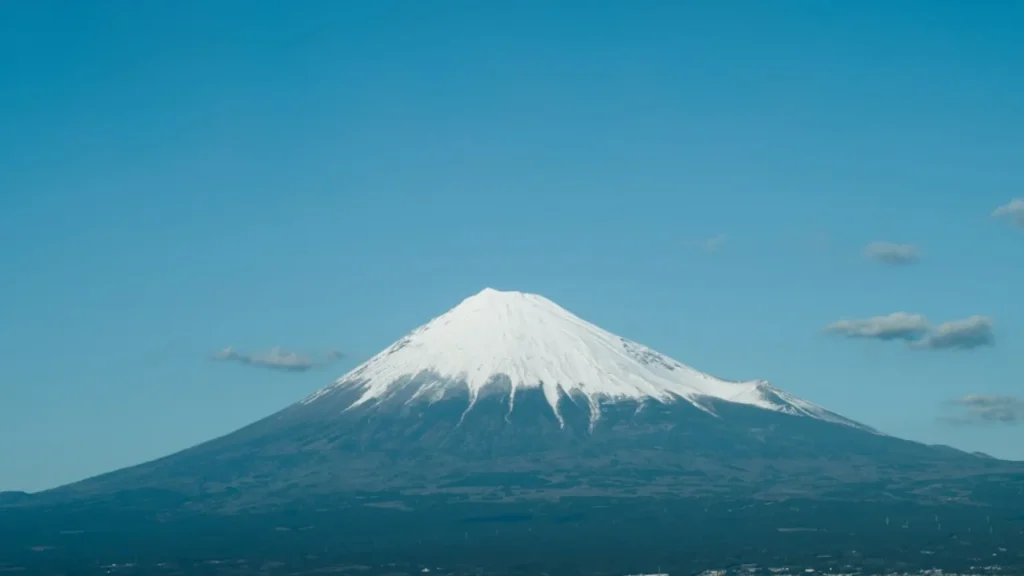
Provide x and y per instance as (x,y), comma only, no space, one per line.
(509,396)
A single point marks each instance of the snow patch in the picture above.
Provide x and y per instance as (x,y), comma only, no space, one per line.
(537,344)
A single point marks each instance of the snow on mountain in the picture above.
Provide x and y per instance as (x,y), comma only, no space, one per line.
(535,343)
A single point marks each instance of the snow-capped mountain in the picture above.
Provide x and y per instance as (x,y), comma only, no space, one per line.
(508,395)
(509,421)
(518,341)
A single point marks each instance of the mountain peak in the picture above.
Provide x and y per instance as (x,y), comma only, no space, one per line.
(495,293)
(525,341)
(490,298)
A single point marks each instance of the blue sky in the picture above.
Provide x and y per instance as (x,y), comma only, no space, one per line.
(176,177)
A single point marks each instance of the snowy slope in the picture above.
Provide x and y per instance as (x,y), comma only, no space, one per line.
(537,344)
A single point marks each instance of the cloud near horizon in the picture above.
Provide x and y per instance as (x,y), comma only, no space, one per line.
(914,329)
(1012,212)
(277,359)
(987,409)
(966,334)
(895,326)
(892,254)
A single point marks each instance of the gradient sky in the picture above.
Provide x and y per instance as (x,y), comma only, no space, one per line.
(177,177)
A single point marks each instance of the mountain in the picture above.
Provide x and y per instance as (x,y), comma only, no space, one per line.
(510,436)
(13,497)
(511,342)
(509,395)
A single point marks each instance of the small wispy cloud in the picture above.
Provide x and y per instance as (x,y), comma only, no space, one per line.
(895,326)
(914,329)
(714,243)
(892,254)
(711,244)
(821,242)
(277,359)
(1013,212)
(987,409)
(966,334)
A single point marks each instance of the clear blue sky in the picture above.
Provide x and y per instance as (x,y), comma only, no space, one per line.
(179,176)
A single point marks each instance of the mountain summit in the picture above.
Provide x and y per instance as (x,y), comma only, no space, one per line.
(509,396)
(514,341)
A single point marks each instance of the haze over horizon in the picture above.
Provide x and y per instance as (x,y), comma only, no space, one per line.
(821,196)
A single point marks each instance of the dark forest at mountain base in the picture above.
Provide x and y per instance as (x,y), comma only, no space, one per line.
(636,448)
(395,534)
(652,488)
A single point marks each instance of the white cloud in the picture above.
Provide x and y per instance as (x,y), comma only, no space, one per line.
(711,244)
(714,243)
(277,359)
(983,408)
(914,329)
(893,254)
(966,334)
(896,326)
(1013,212)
